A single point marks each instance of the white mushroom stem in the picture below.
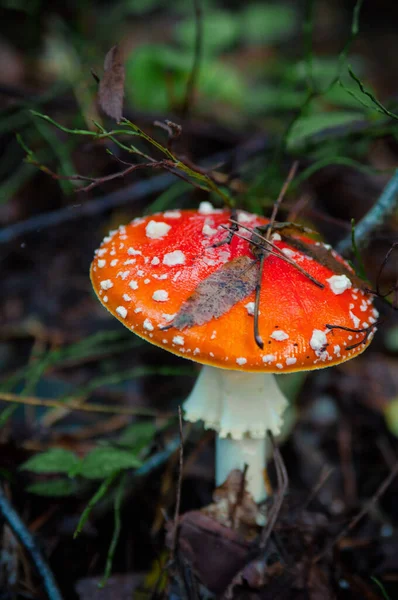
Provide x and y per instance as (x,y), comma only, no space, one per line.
(241,407)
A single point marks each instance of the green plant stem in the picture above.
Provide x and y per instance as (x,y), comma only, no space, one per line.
(100,493)
(116,532)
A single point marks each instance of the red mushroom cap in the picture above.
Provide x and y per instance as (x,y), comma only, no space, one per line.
(144,272)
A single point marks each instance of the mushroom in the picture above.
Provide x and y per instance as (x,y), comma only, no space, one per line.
(171,279)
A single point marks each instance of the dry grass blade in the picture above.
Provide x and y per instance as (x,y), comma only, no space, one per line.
(283,484)
(78,405)
(290,177)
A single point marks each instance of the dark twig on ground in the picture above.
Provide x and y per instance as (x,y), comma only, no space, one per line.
(194,74)
(379,213)
(324,476)
(282,483)
(96,181)
(128,195)
(362,513)
(26,539)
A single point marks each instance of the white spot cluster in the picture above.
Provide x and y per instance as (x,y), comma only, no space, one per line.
(133,284)
(133,252)
(291,361)
(244,217)
(339,284)
(157,229)
(279,335)
(208,230)
(318,340)
(268,358)
(168,317)
(148,325)
(171,259)
(179,340)
(288,252)
(123,274)
(160,295)
(121,311)
(172,214)
(241,361)
(101,263)
(355,320)
(318,343)
(106,284)
(250,308)
(206,208)
(155,261)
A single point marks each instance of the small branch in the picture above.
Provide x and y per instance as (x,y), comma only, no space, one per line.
(288,180)
(194,74)
(283,484)
(77,405)
(27,541)
(130,194)
(383,208)
(362,513)
(95,181)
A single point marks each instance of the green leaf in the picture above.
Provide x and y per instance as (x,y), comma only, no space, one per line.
(104,461)
(272,98)
(391,416)
(307,127)
(157,75)
(265,23)
(391,339)
(220,31)
(53,488)
(56,460)
(138,436)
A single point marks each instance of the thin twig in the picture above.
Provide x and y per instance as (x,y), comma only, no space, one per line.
(378,214)
(77,405)
(288,180)
(324,476)
(283,483)
(27,541)
(194,74)
(96,181)
(362,513)
(179,486)
(130,195)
